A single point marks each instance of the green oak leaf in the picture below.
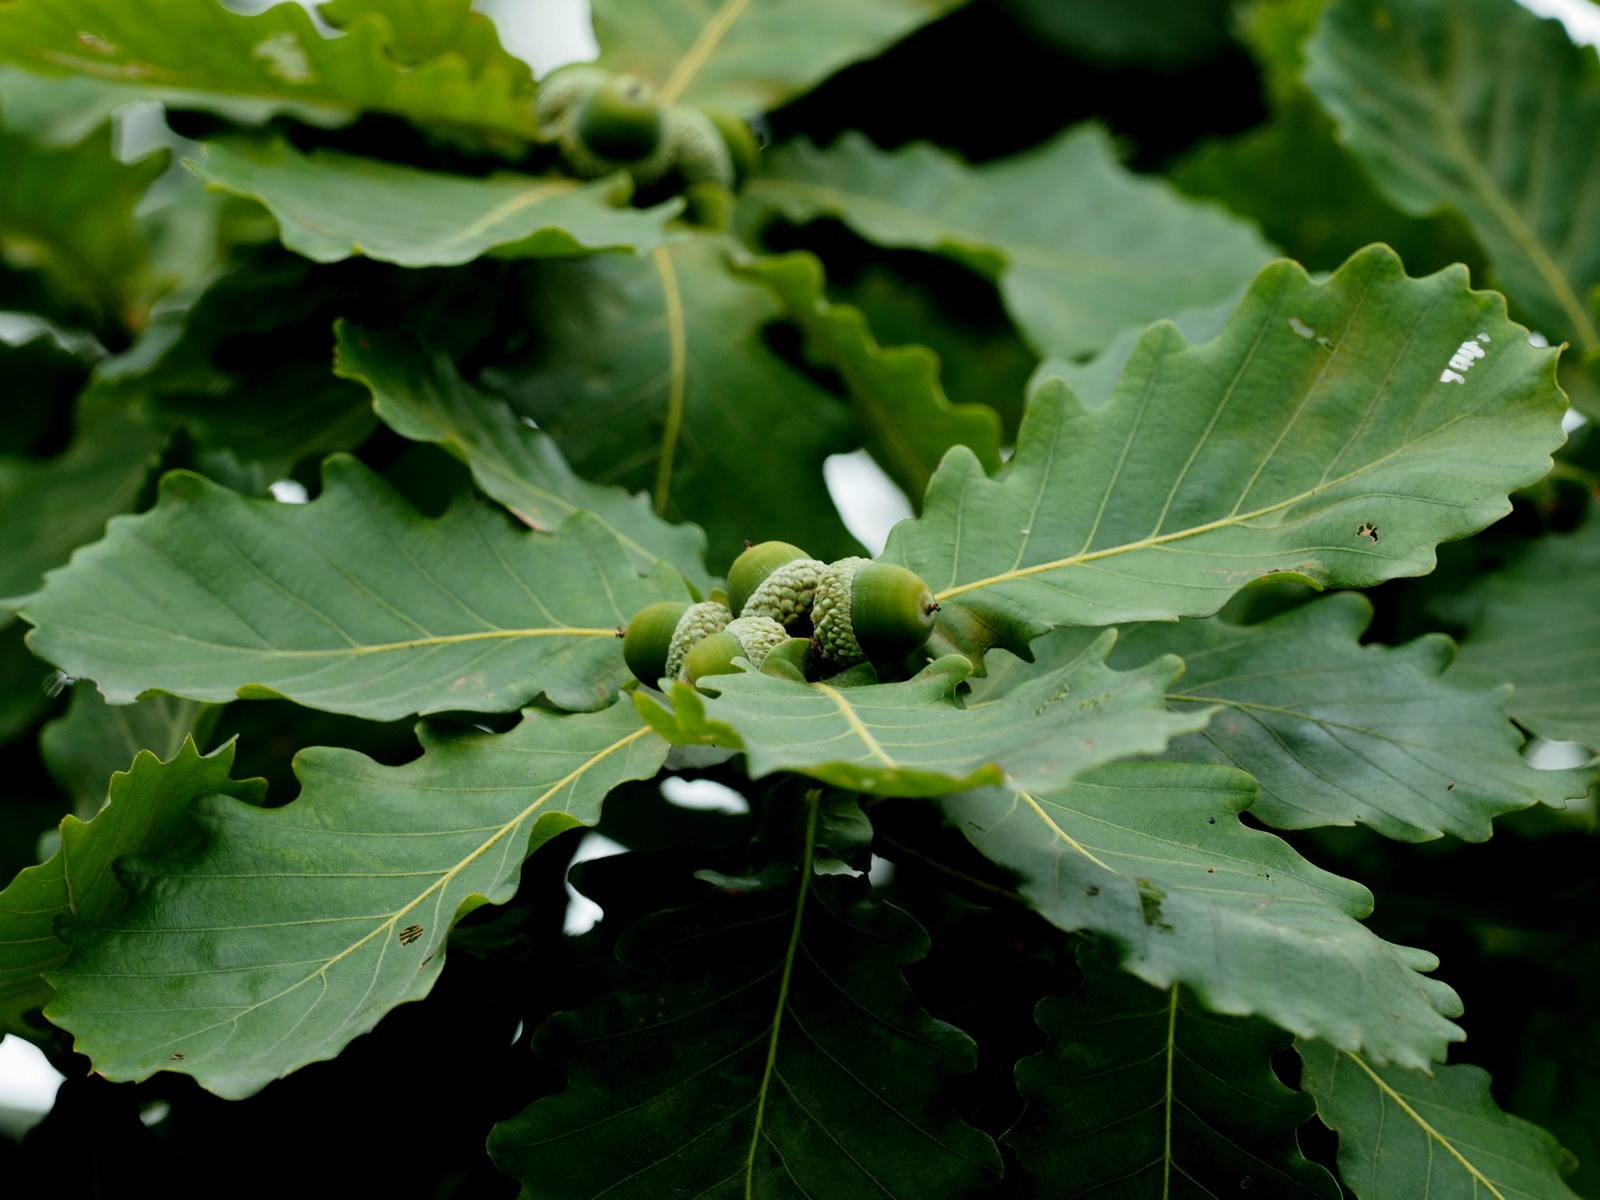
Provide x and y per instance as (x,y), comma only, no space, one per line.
(748,56)
(1290,174)
(93,740)
(1336,732)
(1310,198)
(1159,33)
(331,206)
(916,739)
(1153,857)
(1094,380)
(1081,247)
(1142,1092)
(1404,1135)
(42,368)
(49,507)
(286,932)
(929,301)
(1481,107)
(419,394)
(655,373)
(67,215)
(54,111)
(243,366)
(1538,628)
(774,1049)
(146,811)
(353,603)
(1336,432)
(26,683)
(280,56)
(907,419)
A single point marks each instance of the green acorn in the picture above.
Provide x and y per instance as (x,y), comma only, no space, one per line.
(743,146)
(659,635)
(620,120)
(745,637)
(700,621)
(563,90)
(871,610)
(774,579)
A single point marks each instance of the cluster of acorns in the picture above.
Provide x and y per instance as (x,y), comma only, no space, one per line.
(605,123)
(852,611)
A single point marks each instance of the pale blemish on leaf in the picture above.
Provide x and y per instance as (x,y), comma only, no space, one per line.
(1468,353)
(285,58)
(100,45)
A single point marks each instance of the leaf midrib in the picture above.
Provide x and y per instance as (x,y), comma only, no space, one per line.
(1427,1128)
(700,52)
(789,956)
(441,882)
(1232,519)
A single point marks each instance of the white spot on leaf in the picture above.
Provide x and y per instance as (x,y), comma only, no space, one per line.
(285,58)
(1468,353)
(100,45)
(1300,327)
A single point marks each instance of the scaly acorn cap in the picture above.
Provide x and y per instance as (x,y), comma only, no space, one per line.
(871,610)
(745,637)
(563,90)
(755,562)
(619,121)
(698,621)
(744,148)
(787,594)
(699,154)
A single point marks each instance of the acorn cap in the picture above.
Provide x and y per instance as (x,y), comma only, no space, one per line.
(563,90)
(754,564)
(698,621)
(619,121)
(867,609)
(648,638)
(787,594)
(744,148)
(750,638)
(699,155)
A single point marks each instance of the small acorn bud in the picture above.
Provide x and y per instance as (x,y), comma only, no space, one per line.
(620,121)
(871,610)
(749,638)
(659,635)
(744,148)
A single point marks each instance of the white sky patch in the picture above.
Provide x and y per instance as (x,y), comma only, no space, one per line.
(867,499)
(704,795)
(27,1080)
(583,913)
(545,34)
(287,491)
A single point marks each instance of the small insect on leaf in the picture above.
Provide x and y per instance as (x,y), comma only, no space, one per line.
(1367,530)
(410,934)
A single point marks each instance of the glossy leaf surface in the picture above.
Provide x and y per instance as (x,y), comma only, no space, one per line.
(286,932)
(353,603)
